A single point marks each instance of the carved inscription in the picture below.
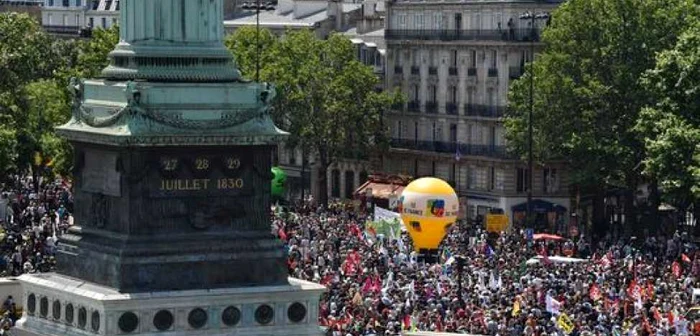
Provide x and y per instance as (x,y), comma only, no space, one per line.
(202,175)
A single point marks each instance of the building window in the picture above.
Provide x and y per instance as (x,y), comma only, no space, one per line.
(481,178)
(551,181)
(494,59)
(415,131)
(492,179)
(95,4)
(433,93)
(77,20)
(92,22)
(434,131)
(473,59)
(114,21)
(471,178)
(453,59)
(66,3)
(419,21)
(402,21)
(398,129)
(78,3)
(117,6)
(104,22)
(50,2)
(500,179)
(522,179)
(335,183)
(453,94)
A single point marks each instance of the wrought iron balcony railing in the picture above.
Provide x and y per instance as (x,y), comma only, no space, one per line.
(452,148)
(493,72)
(451,108)
(431,107)
(471,72)
(415,70)
(68,30)
(413,106)
(432,70)
(487,111)
(453,71)
(508,34)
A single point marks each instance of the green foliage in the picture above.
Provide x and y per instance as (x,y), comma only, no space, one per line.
(34,73)
(588,92)
(93,52)
(671,127)
(326,98)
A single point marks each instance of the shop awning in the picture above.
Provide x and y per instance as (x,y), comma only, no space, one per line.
(540,206)
(379,189)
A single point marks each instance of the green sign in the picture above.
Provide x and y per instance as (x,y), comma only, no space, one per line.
(279,182)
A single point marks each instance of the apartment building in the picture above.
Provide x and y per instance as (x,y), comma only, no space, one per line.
(454,61)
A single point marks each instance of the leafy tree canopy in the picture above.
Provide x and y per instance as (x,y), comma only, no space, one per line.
(327,99)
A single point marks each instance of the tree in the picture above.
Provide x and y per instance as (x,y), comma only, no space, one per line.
(671,127)
(93,52)
(588,92)
(327,99)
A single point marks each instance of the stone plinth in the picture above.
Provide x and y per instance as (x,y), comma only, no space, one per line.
(59,305)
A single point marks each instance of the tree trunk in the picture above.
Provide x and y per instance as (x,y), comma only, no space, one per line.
(654,202)
(323,184)
(600,225)
(631,226)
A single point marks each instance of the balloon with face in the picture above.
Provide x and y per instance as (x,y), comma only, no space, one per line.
(428,208)
(279,182)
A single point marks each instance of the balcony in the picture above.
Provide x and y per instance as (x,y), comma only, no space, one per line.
(398,69)
(413,106)
(446,147)
(432,70)
(486,111)
(493,72)
(415,70)
(397,107)
(431,107)
(471,72)
(515,72)
(453,71)
(513,35)
(63,30)
(451,108)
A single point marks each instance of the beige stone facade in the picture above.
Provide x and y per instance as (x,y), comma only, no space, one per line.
(454,61)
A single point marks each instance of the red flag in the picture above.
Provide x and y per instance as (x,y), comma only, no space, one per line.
(657,315)
(407,322)
(594,292)
(676,269)
(685,258)
(634,291)
(282,234)
(650,291)
(671,318)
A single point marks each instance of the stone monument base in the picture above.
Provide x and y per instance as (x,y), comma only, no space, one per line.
(55,304)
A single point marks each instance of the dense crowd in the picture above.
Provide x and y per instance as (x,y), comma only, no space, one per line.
(379,286)
(31,220)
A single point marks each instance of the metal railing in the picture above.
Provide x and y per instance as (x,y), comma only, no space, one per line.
(515,72)
(413,106)
(398,69)
(452,148)
(508,34)
(432,70)
(415,70)
(72,30)
(488,111)
(451,108)
(453,71)
(471,72)
(431,107)
(493,72)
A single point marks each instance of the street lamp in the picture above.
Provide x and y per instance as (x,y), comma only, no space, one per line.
(533,32)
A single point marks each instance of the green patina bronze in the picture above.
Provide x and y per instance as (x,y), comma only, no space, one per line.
(171,81)
(173,151)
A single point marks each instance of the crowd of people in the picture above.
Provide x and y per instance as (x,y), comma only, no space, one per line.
(378,285)
(31,219)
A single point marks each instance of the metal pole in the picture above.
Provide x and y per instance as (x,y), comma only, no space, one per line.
(257,41)
(529,219)
(303,168)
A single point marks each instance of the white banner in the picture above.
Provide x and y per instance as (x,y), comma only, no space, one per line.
(384,214)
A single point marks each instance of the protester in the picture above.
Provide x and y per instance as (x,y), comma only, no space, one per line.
(378,285)
(31,223)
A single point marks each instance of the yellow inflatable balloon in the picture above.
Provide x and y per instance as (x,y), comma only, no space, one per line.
(428,207)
